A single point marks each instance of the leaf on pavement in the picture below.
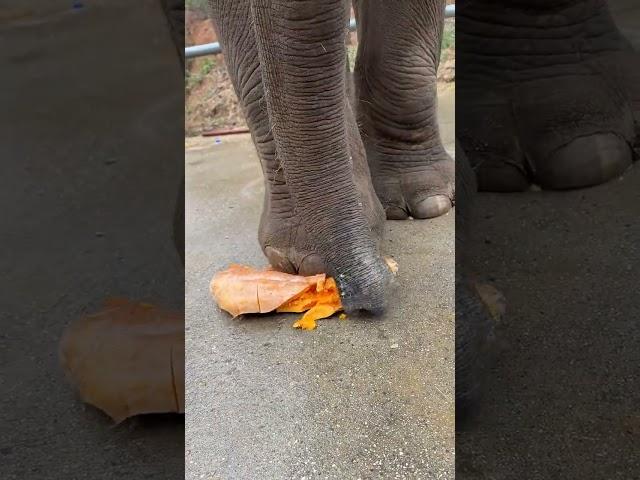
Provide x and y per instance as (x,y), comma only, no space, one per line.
(127,359)
(241,289)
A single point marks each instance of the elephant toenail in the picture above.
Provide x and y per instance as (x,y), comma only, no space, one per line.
(279,260)
(586,161)
(431,207)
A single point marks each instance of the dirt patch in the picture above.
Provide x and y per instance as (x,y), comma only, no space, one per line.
(210,100)
(199,29)
(447,69)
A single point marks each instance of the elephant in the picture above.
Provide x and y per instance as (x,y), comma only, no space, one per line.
(334,166)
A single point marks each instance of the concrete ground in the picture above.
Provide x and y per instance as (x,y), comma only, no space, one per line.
(91,166)
(361,398)
(562,399)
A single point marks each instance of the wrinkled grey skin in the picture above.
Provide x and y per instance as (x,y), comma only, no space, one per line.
(326,191)
(550,95)
(550,91)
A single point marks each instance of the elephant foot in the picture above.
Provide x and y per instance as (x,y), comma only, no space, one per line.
(548,133)
(475,330)
(292,246)
(559,121)
(410,188)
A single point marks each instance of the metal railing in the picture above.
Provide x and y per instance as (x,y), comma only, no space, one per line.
(214,48)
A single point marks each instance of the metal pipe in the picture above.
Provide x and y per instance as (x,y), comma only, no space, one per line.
(450,11)
(214,48)
(202,50)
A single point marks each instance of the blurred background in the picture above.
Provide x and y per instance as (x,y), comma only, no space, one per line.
(210,102)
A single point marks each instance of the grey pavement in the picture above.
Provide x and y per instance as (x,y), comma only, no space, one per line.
(562,398)
(361,398)
(83,217)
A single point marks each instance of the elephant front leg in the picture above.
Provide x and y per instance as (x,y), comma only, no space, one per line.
(301,52)
(396,65)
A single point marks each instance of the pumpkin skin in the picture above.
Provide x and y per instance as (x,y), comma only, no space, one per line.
(241,289)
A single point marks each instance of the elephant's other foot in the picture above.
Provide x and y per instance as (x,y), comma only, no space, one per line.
(564,120)
(422,188)
(478,309)
(396,96)
(548,133)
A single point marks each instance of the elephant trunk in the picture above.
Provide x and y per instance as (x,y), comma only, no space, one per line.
(474,327)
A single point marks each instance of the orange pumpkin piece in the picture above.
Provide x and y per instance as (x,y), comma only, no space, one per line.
(241,289)
(308,320)
(324,292)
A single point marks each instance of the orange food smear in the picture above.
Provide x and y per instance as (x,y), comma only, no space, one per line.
(322,293)
(308,320)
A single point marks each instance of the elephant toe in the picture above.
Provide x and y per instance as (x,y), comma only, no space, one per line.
(279,260)
(396,213)
(296,263)
(312,264)
(585,161)
(502,177)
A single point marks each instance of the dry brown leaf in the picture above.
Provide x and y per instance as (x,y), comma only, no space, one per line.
(392,264)
(241,289)
(127,359)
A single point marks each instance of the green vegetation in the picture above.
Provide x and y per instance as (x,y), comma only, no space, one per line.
(352,50)
(195,79)
(207,65)
(449,35)
(196,4)
(448,40)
